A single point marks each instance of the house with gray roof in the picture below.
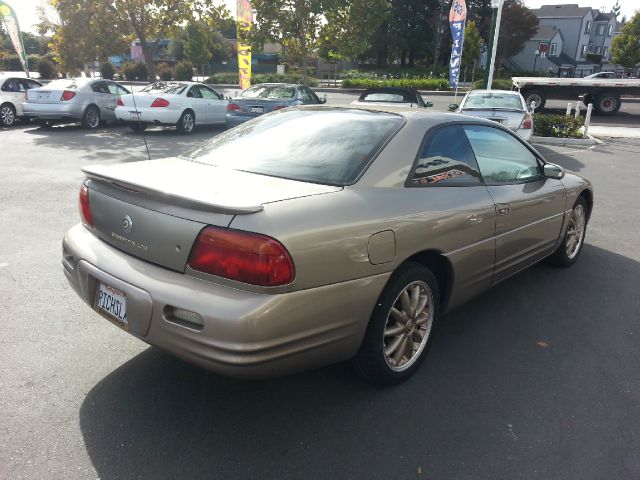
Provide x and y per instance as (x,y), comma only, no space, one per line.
(571,41)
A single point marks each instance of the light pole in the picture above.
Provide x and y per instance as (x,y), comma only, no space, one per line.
(494,4)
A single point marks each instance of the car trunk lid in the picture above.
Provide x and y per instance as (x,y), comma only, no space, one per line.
(155,210)
(258,106)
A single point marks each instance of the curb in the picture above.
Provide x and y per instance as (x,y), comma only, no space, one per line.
(565,141)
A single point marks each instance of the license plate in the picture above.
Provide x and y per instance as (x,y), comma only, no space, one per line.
(134,115)
(257,110)
(112,304)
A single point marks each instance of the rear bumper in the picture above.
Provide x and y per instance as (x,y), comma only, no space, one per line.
(234,119)
(53,111)
(243,334)
(150,116)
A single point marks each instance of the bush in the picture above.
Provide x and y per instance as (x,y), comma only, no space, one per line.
(232,78)
(10,62)
(107,70)
(497,83)
(46,69)
(420,83)
(557,126)
(164,71)
(134,71)
(183,71)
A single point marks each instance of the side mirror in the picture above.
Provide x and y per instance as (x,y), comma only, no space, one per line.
(324,99)
(453,107)
(428,104)
(552,170)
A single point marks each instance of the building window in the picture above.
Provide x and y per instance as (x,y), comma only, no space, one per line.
(605,53)
(600,29)
(553,50)
(583,51)
(587,27)
(610,31)
(598,50)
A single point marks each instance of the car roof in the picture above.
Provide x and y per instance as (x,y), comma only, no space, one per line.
(512,92)
(274,84)
(390,89)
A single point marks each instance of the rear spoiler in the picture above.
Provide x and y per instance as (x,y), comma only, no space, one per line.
(102,173)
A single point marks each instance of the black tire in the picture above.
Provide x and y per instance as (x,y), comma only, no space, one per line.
(138,127)
(587,99)
(535,96)
(565,256)
(607,104)
(7,115)
(91,117)
(371,361)
(187,122)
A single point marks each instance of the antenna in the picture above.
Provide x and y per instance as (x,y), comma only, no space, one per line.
(141,127)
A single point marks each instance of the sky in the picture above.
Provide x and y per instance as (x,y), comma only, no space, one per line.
(28,15)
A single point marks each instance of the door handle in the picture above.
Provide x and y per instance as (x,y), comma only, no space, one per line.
(503,208)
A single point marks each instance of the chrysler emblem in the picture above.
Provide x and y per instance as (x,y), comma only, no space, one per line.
(127,224)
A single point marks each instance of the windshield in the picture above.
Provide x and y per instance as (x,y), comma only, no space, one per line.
(493,100)
(164,87)
(269,91)
(313,145)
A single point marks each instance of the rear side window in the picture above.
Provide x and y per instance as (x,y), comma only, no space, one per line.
(313,145)
(502,157)
(446,159)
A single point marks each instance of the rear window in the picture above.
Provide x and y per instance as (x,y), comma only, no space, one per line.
(493,100)
(65,84)
(386,97)
(165,87)
(311,145)
(269,91)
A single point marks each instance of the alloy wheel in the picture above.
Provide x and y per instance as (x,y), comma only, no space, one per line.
(408,326)
(575,231)
(187,122)
(93,118)
(7,116)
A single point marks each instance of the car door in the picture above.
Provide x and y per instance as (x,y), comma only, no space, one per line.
(198,104)
(101,96)
(529,206)
(115,92)
(216,107)
(445,182)
(13,91)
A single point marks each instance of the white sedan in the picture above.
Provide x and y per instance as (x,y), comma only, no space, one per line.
(179,104)
(12,95)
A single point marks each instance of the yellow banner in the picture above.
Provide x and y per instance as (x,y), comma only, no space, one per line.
(244,19)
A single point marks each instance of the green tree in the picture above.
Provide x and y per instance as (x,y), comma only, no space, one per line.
(195,41)
(472,44)
(625,48)
(518,25)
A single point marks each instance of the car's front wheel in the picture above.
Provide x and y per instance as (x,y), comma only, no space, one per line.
(7,115)
(400,327)
(187,122)
(569,250)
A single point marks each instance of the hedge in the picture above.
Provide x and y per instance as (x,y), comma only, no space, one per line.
(107,70)
(557,126)
(232,78)
(134,71)
(421,83)
(496,83)
(183,71)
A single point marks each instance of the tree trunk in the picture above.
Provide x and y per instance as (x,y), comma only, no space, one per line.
(412,60)
(147,52)
(403,58)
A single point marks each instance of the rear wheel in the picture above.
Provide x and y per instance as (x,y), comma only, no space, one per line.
(607,104)
(535,96)
(569,250)
(7,115)
(187,122)
(399,331)
(91,117)
(138,127)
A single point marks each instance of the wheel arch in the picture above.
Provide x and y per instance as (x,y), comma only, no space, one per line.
(441,267)
(588,197)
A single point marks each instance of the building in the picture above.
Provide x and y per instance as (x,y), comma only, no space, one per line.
(571,41)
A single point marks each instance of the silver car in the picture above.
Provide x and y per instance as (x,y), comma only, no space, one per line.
(319,234)
(501,106)
(85,100)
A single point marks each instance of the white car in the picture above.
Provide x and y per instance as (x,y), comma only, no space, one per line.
(501,106)
(179,104)
(12,95)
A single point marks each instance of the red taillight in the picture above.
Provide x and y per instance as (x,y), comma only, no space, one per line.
(279,107)
(120,103)
(67,95)
(527,122)
(242,256)
(233,107)
(160,102)
(85,208)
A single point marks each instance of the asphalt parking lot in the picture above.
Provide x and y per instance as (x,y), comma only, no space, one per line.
(537,379)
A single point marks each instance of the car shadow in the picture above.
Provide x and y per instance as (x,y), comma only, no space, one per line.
(100,144)
(511,382)
(565,160)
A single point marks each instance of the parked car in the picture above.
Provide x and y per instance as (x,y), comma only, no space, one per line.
(180,104)
(605,75)
(267,97)
(502,106)
(89,101)
(319,234)
(399,97)
(12,95)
